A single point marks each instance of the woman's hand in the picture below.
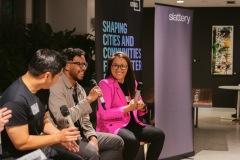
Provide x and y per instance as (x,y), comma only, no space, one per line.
(141,105)
(131,106)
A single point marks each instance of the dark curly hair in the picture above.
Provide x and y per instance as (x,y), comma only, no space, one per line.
(70,53)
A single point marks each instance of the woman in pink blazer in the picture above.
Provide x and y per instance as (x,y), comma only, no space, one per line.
(121,114)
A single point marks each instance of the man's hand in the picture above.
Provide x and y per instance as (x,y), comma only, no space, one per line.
(94,94)
(71,146)
(5,115)
(68,134)
(93,140)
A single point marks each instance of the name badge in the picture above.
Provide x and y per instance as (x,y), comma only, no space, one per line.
(35,108)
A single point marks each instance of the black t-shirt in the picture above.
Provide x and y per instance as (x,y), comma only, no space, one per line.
(26,109)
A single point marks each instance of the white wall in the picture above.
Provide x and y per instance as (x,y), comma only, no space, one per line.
(90,15)
(28,11)
(67,14)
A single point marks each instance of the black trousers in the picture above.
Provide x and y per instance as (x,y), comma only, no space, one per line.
(133,134)
(57,152)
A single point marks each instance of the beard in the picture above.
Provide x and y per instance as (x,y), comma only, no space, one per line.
(75,76)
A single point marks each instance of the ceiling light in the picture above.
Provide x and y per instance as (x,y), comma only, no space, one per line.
(180,1)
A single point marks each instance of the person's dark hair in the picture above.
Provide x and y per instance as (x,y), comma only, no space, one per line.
(46,60)
(130,76)
(70,53)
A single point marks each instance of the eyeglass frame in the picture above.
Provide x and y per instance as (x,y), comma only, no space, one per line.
(80,64)
(122,67)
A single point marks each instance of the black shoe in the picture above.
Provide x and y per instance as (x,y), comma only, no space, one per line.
(234,115)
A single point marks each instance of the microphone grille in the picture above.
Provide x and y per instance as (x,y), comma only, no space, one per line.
(64,110)
(93,82)
(140,85)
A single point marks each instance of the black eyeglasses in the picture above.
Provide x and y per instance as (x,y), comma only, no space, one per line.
(80,64)
(116,66)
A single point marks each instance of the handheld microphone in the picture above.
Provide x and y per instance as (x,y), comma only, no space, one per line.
(65,112)
(93,83)
(139,88)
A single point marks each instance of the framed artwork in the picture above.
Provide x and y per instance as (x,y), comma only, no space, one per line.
(222,50)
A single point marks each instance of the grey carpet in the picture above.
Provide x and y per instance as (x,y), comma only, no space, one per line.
(211,134)
(206,139)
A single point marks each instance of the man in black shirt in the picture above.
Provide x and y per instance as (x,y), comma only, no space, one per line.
(29,128)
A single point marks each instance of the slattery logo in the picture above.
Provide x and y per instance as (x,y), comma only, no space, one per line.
(177,17)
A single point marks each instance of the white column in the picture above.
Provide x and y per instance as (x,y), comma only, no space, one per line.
(28,11)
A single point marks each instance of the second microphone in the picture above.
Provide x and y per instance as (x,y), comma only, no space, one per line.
(93,83)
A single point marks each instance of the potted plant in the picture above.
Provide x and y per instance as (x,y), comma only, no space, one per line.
(19,42)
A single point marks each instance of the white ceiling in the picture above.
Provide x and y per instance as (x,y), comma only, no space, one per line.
(193,3)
